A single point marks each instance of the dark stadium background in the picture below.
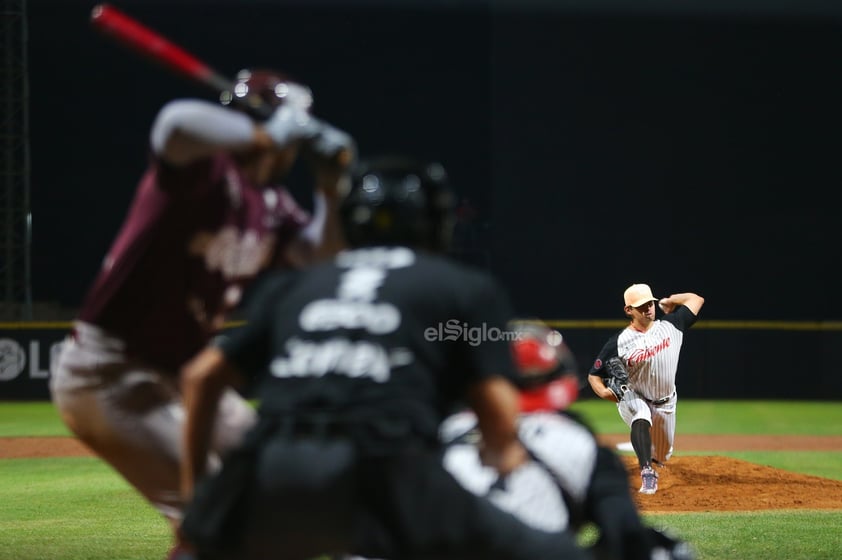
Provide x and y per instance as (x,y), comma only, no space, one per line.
(594,145)
(692,145)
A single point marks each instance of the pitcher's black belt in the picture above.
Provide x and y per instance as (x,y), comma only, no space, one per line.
(659,401)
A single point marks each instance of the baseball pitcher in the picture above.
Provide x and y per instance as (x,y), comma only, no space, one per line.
(636,368)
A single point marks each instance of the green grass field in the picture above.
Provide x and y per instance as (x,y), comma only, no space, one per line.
(78,509)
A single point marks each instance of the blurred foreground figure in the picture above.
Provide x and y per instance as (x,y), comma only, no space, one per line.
(355,377)
(207,216)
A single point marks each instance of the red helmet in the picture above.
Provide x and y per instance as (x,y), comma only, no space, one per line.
(267,88)
(548,374)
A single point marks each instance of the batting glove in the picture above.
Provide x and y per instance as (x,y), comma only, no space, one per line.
(329,143)
(289,124)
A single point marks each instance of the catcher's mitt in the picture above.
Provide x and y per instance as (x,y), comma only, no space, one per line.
(617,377)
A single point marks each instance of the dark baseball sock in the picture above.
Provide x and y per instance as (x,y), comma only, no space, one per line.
(641,441)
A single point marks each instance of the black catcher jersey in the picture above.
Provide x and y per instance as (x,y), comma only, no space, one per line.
(385,336)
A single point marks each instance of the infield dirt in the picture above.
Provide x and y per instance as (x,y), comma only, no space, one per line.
(688,483)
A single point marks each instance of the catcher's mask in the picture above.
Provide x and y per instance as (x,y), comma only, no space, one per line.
(271,89)
(547,370)
(398,201)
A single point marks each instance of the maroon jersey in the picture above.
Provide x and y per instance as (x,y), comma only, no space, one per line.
(192,239)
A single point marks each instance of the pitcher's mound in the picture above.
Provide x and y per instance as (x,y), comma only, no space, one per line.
(714,483)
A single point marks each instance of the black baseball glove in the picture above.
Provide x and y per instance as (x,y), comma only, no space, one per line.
(617,377)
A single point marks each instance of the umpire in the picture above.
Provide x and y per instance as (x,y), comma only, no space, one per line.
(356,362)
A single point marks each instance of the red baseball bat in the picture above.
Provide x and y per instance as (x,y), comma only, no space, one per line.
(147,42)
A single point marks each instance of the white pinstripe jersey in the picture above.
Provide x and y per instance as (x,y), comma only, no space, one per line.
(651,357)
(537,494)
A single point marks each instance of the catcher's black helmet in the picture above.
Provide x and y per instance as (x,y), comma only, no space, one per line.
(398,201)
(253,88)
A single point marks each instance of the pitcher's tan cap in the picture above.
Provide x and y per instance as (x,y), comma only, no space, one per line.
(638,294)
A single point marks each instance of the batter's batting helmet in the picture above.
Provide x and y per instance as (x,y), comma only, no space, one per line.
(266,86)
(398,201)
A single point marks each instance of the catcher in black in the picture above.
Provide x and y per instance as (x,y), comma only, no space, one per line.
(357,361)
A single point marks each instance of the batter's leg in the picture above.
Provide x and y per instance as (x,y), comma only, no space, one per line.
(132,418)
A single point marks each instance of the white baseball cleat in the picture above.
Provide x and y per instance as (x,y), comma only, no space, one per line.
(649,480)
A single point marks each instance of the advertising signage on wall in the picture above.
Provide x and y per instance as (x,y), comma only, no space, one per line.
(718,362)
(25,358)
